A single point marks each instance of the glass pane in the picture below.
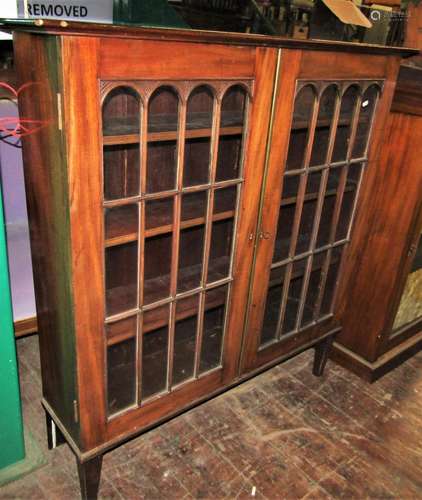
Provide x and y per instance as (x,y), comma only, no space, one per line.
(199,112)
(197,161)
(293,296)
(158,215)
(322,131)
(121,171)
(121,112)
(328,207)
(213,328)
(163,110)
(121,277)
(220,250)
(410,308)
(230,147)
(161,166)
(121,375)
(233,107)
(163,116)
(344,128)
(286,217)
(121,330)
(225,202)
(194,206)
(157,267)
(191,244)
(331,283)
(369,100)
(272,305)
(121,223)
(185,339)
(314,288)
(302,114)
(308,212)
(199,115)
(154,351)
(349,199)
(191,248)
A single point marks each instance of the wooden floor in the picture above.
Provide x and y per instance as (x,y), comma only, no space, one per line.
(285,434)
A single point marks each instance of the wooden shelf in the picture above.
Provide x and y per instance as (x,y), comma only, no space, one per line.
(163,127)
(314,196)
(121,229)
(158,318)
(300,123)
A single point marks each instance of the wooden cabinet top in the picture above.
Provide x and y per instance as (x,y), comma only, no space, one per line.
(73,28)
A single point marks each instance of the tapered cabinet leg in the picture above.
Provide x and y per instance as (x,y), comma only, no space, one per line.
(54,435)
(89,477)
(322,350)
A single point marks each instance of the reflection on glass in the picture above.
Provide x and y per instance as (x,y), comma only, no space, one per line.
(367,108)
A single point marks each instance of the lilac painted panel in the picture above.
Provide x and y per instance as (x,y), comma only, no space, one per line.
(11,174)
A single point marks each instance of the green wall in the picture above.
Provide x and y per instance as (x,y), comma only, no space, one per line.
(12,448)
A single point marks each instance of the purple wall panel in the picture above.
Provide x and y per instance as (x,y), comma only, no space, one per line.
(11,170)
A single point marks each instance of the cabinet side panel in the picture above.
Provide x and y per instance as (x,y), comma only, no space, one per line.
(38,66)
(81,122)
(388,205)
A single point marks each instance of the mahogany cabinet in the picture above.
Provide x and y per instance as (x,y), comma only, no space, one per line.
(191,200)
(381,312)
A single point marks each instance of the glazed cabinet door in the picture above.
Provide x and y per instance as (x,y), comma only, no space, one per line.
(180,150)
(321,130)
(173,156)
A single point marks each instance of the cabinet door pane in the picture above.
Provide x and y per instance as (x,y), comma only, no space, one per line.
(185,337)
(157,267)
(410,308)
(121,171)
(162,153)
(154,351)
(327,105)
(199,122)
(213,328)
(121,125)
(121,375)
(230,146)
(344,127)
(367,108)
(121,278)
(304,106)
